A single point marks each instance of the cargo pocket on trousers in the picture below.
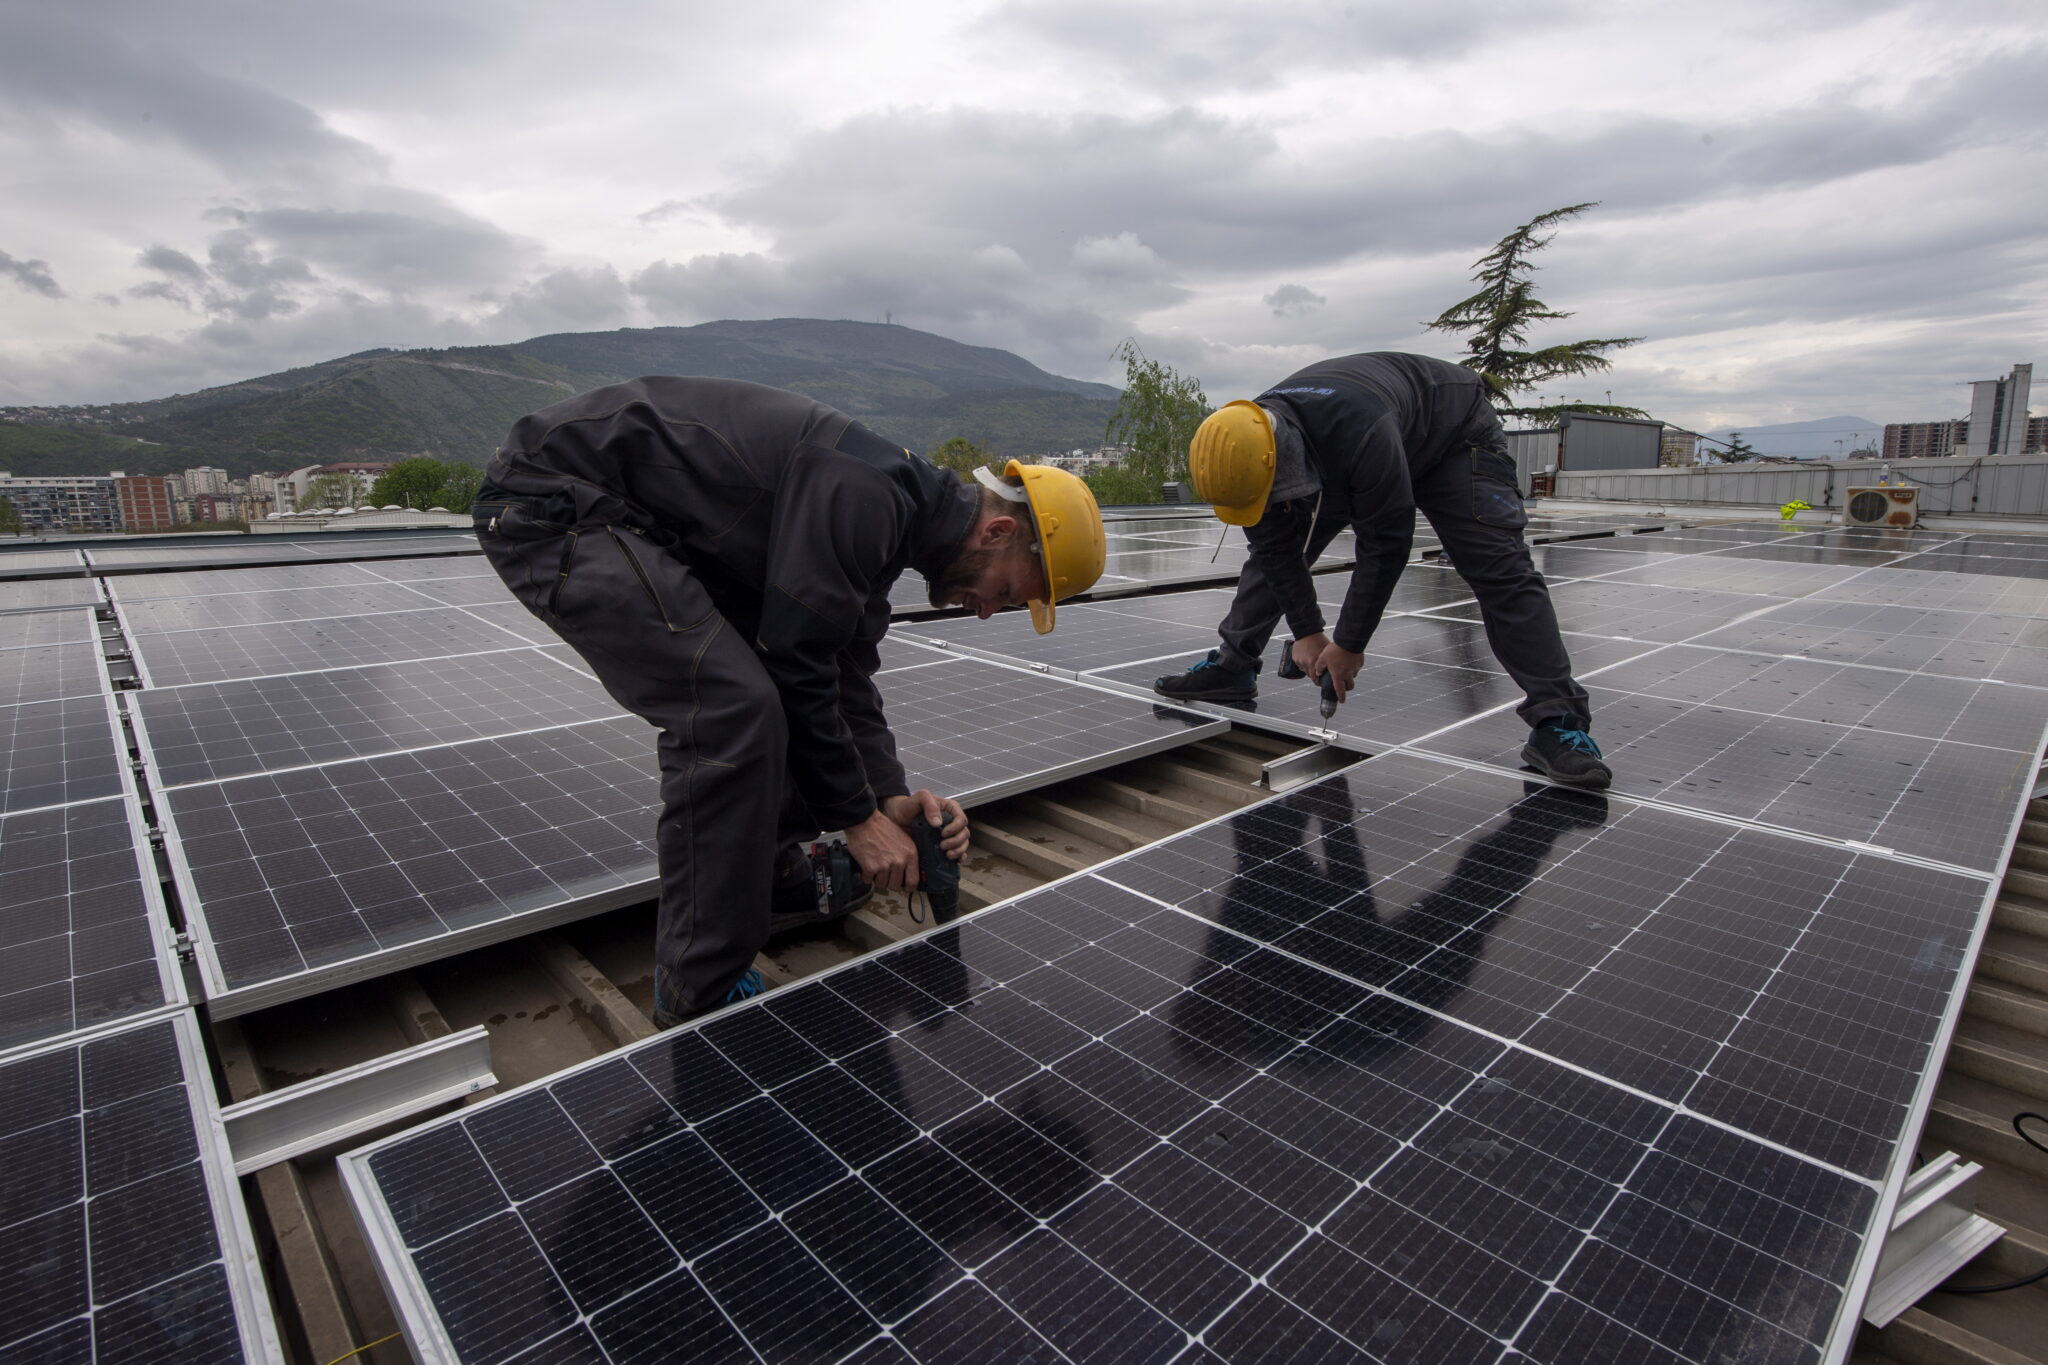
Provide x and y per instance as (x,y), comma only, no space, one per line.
(632,548)
(1495,499)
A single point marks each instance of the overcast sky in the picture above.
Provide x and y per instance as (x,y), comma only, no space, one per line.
(1810,207)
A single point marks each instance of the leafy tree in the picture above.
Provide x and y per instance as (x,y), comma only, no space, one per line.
(1156,417)
(1739,451)
(1497,320)
(332,489)
(1121,486)
(10,517)
(960,455)
(460,486)
(414,483)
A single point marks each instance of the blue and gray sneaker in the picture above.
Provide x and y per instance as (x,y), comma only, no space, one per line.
(1209,680)
(1567,755)
(747,987)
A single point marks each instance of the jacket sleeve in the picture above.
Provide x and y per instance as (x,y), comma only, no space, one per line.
(860,702)
(836,527)
(1276,541)
(1383,522)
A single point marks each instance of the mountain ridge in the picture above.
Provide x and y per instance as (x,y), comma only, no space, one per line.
(916,388)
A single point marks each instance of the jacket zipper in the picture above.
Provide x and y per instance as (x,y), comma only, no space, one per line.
(640,573)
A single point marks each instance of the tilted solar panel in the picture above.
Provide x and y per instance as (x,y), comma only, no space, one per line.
(126,1236)
(1343,1083)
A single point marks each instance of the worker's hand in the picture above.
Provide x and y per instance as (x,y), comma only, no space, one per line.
(886,856)
(1307,650)
(934,811)
(1342,666)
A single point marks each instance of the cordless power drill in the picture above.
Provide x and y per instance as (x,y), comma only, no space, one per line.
(1290,670)
(938,875)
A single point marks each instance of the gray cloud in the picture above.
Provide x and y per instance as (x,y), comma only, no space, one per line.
(1293,300)
(34,276)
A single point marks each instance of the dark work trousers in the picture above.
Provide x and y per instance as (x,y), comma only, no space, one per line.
(642,620)
(1482,532)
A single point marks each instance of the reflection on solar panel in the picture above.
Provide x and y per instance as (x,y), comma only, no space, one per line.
(83,935)
(259,608)
(1454,1067)
(1946,591)
(272,549)
(1724,572)
(127,1239)
(1870,756)
(47,672)
(147,587)
(59,626)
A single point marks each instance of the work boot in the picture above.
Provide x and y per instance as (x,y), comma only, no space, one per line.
(1565,754)
(815,883)
(1209,680)
(668,1011)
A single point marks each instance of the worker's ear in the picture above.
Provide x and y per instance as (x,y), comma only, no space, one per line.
(998,531)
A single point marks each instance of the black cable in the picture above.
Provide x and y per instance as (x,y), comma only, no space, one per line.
(2042,1273)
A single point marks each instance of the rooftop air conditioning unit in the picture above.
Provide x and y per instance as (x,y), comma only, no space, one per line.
(1889,505)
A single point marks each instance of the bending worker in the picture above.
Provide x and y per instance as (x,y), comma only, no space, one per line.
(1364,441)
(721,554)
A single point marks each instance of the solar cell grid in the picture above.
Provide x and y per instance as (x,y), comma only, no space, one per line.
(415,570)
(1931,797)
(220,730)
(291,872)
(1640,611)
(146,587)
(44,594)
(27,563)
(58,751)
(1167,1129)
(1722,571)
(56,626)
(82,929)
(1957,644)
(175,658)
(127,1241)
(265,606)
(48,672)
(481,591)
(1907,587)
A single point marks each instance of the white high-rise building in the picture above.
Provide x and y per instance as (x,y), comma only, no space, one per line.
(205,479)
(1998,414)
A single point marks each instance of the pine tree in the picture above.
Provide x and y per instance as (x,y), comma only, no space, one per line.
(1498,319)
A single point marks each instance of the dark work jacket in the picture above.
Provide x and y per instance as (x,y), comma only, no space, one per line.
(1372,424)
(797,520)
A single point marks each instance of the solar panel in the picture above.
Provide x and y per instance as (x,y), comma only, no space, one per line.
(296,877)
(1365,1111)
(293,881)
(414,570)
(44,594)
(1722,571)
(58,626)
(127,1236)
(263,607)
(1733,735)
(175,658)
(1952,643)
(1639,611)
(84,940)
(39,563)
(472,591)
(1960,561)
(56,752)
(146,587)
(1947,591)
(47,672)
(211,731)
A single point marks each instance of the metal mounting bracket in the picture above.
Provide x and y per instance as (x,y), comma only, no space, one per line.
(330,1110)
(1304,766)
(1935,1230)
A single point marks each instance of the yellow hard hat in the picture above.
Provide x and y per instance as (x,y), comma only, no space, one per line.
(1070,543)
(1231,461)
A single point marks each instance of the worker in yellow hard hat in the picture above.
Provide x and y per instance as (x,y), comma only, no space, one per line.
(721,555)
(1363,443)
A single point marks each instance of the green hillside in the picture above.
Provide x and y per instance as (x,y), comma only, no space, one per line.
(913,387)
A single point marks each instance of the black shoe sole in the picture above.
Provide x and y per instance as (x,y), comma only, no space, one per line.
(1592,782)
(1217,694)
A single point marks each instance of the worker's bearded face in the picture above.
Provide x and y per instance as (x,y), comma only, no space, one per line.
(986,580)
